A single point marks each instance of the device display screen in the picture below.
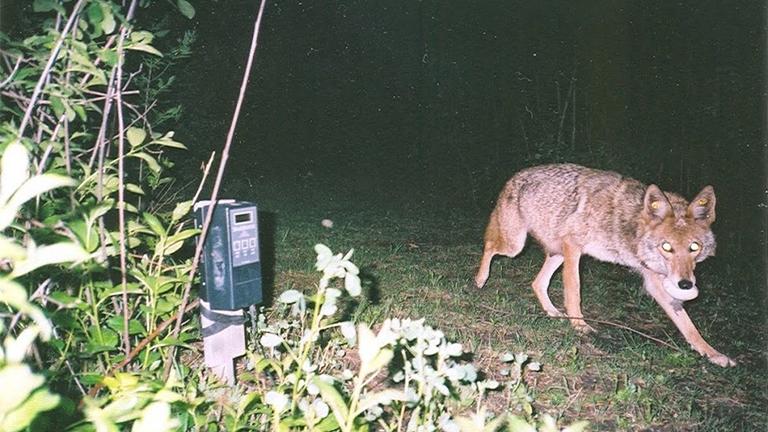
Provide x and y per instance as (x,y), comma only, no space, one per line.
(242,218)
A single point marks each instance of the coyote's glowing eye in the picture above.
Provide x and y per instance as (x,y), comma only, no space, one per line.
(666,246)
(694,247)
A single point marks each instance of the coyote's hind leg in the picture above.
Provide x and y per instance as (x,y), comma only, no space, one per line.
(505,235)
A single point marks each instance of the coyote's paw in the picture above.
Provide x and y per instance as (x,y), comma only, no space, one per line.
(582,327)
(722,360)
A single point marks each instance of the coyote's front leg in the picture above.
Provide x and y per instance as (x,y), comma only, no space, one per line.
(675,311)
(572,286)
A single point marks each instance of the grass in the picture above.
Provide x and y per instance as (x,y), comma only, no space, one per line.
(417,261)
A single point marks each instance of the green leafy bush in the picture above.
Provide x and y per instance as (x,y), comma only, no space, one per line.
(91,277)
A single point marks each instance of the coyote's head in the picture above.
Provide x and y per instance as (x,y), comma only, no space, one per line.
(674,236)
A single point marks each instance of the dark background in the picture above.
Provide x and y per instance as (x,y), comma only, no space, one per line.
(438,103)
(435,104)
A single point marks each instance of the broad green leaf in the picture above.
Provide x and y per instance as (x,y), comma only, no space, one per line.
(333,398)
(41,400)
(182,235)
(246,401)
(95,15)
(63,299)
(176,241)
(156,417)
(16,296)
(86,233)
(130,187)
(134,326)
(108,56)
(104,336)
(150,160)
(100,210)
(167,141)
(47,6)
(383,357)
(186,8)
(11,250)
(31,188)
(50,254)
(384,397)
(328,424)
(172,248)
(15,171)
(141,36)
(117,290)
(57,105)
(19,378)
(16,349)
(145,48)
(154,224)
(108,23)
(181,210)
(135,136)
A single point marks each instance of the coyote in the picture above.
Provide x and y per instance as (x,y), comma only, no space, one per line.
(573,211)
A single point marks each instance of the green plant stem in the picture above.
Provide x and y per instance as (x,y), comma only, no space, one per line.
(308,344)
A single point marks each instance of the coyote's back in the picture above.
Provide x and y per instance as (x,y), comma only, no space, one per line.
(573,210)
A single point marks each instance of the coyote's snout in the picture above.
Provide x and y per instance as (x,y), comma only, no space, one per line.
(572,211)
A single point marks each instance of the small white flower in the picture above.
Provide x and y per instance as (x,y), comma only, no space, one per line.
(329,308)
(454,350)
(290,296)
(321,408)
(534,366)
(270,340)
(326,223)
(278,401)
(352,284)
(348,331)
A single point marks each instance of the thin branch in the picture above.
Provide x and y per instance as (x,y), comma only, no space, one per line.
(47,70)
(216,186)
(608,323)
(121,184)
(13,72)
(206,170)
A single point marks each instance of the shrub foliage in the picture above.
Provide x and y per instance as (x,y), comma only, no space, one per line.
(91,269)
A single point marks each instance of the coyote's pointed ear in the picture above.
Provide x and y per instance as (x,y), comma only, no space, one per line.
(702,208)
(655,204)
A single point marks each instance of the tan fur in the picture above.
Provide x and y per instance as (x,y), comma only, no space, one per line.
(573,211)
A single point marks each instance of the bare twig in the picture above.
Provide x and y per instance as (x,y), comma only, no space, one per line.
(13,72)
(121,184)
(604,322)
(47,70)
(206,170)
(216,186)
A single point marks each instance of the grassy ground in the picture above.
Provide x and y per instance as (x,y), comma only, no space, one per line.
(417,261)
